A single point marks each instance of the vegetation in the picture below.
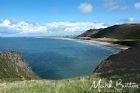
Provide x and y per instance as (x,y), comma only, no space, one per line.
(89,33)
(14,67)
(124,31)
(125,64)
(81,85)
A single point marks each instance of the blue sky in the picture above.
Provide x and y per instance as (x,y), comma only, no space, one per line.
(64,15)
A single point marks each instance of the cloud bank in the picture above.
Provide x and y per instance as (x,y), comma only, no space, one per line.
(22,28)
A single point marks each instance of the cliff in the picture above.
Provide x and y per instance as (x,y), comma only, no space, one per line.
(14,67)
(125,64)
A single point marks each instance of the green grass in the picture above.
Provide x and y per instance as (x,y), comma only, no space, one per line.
(81,85)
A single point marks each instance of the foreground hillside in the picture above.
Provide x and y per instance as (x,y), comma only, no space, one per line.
(14,67)
(125,64)
(77,85)
(82,85)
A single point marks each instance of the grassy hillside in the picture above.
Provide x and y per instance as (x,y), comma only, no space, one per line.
(125,64)
(14,67)
(124,31)
(89,33)
(82,85)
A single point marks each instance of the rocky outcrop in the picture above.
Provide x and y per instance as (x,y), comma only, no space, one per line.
(14,67)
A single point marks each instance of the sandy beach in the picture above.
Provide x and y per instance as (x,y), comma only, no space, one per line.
(122,47)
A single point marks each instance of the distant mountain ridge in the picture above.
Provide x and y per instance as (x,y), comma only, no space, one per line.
(14,67)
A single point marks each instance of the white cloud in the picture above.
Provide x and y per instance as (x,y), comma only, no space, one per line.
(137,5)
(72,28)
(22,28)
(19,28)
(6,22)
(85,8)
(114,5)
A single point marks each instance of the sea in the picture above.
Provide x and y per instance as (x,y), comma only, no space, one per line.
(55,58)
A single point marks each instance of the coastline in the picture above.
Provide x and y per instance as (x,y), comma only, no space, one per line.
(117,46)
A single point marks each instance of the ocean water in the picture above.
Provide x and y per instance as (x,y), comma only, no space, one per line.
(58,58)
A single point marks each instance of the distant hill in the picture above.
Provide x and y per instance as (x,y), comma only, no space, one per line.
(89,33)
(123,31)
(14,67)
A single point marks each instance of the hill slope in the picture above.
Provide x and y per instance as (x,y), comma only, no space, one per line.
(89,33)
(123,31)
(14,67)
(126,63)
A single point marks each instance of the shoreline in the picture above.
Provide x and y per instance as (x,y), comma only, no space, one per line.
(117,46)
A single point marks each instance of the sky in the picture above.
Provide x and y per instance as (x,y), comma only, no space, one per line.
(64,17)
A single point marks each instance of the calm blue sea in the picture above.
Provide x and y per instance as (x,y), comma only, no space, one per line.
(58,58)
